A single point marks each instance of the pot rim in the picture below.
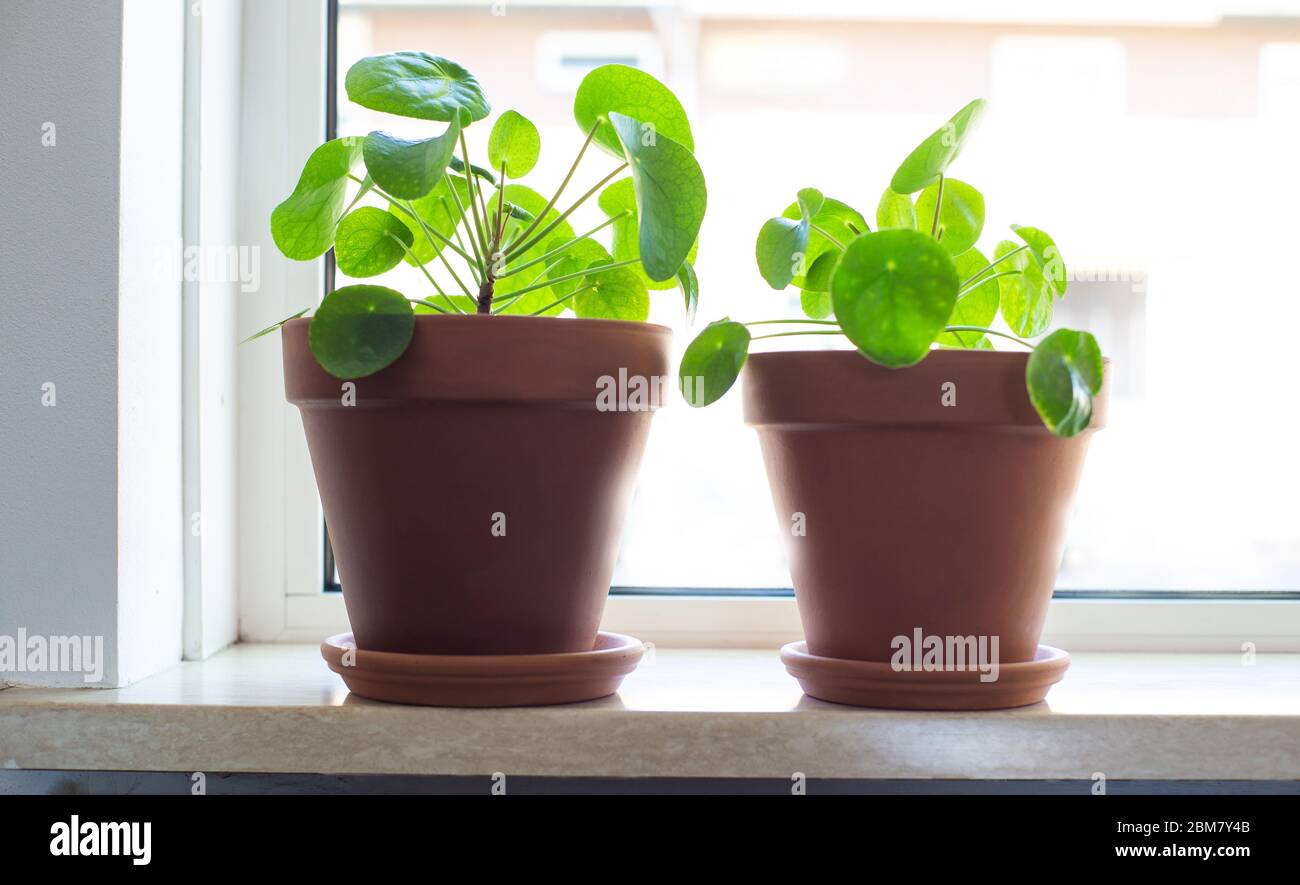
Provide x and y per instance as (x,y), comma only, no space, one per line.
(609,649)
(841,388)
(581,322)
(941,355)
(534,360)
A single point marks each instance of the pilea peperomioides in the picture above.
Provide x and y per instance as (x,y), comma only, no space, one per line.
(486,243)
(915,282)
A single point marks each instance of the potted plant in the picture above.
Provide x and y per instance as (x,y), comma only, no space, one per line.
(923,483)
(474,480)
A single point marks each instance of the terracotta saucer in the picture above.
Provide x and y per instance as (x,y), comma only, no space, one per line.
(484,680)
(877,684)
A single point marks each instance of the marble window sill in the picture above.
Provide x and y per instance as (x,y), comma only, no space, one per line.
(715,713)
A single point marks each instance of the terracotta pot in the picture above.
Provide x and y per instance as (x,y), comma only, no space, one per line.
(917,515)
(475,493)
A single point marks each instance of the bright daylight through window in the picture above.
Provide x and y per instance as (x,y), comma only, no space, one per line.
(1177,495)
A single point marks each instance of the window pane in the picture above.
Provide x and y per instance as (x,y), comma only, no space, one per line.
(1160,155)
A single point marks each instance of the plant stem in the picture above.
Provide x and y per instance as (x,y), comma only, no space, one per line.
(788,334)
(515,250)
(426,273)
(972,288)
(411,212)
(361,192)
(834,242)
(474,201)
(455,230)
(808,322)
(990,265)
(430,233)
(558,249)
(563,184)
(938,206)
(506,301)
(441,252)
(573,276)
(501,207)
(984,331)
(484,299)
(427,303)
(477,261)
(562,300)
(487,218)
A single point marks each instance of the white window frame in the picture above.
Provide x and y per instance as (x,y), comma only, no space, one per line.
(282,581)
(281,543)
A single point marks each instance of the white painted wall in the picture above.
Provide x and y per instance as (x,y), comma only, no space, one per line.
(90,488)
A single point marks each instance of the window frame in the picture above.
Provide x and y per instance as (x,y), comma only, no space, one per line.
(287,591)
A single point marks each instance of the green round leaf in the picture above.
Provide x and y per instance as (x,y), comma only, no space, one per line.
(782,245)
(618,295)
(359,330)
(670,195)
(810,201)
(417,84)
(1025,297)
(816,305)
(781,250)
(713,361)
(1063,376)
(303,225)
(838,219)
(893,291)
(815,299)
(976,307)
(574,259)
(1049,257)
(619,198)
(932,157)
(368,242)
(690,286)
(895,211)
(409,169)
(819,275)
(961,218)
(515,143)
(581,255)
(440,212)
(633,93)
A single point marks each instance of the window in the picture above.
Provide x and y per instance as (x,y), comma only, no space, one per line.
(1152,186)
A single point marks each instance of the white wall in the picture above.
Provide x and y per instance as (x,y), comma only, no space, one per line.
(90,487)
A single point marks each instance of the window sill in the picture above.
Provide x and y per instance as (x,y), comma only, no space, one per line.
(718,713)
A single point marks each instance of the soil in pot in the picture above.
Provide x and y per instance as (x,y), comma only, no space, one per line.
(930,498)
(475,490)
